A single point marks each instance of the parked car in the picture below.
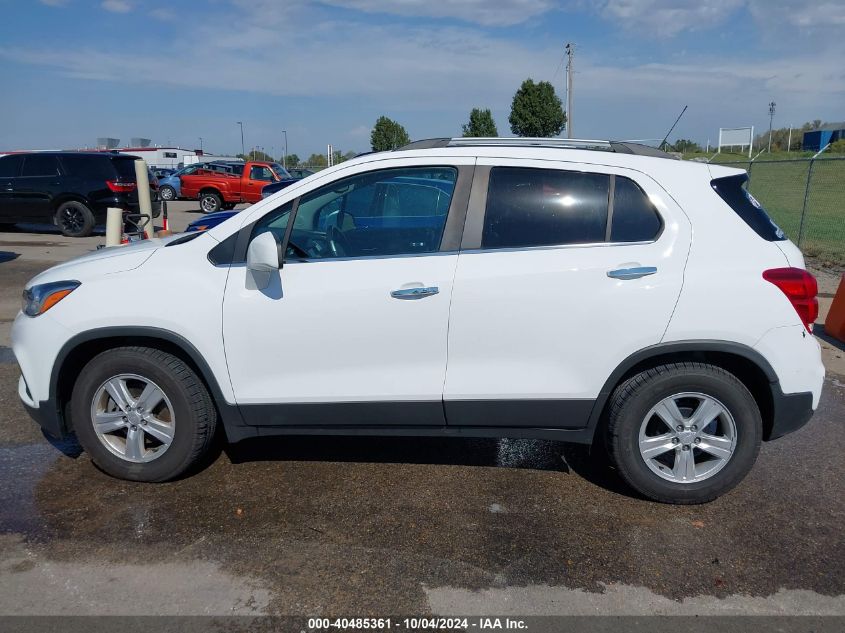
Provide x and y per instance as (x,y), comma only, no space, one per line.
(581,292)
(219,191)
(298,173)
(209,221)
(69,189)
(162,172)
(275,187)
(170,187)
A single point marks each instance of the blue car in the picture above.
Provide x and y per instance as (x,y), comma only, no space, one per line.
(209,220)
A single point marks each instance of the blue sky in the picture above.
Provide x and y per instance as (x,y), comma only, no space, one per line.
(74,70)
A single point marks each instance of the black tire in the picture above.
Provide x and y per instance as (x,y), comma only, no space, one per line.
(228,206)
(210,202)
(634,398)
(74,219)
(6,226)
(194,422)
(168,193)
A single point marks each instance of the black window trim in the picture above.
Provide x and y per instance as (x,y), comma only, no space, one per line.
(477,212)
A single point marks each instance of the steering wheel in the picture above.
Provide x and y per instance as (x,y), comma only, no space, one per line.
(337,241)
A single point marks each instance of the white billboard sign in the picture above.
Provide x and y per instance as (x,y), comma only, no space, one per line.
(736,137)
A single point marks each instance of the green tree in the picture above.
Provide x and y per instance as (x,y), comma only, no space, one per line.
(317,160)
(387,134)
(481,123)
(686,145)
(292,160)
(536,110)
(350,155)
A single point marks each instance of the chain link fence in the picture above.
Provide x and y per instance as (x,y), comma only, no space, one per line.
(806,197)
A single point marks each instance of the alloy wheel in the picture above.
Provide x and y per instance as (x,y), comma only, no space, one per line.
(133,418)
(687,437)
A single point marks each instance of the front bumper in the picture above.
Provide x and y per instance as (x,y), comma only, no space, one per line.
(47,416)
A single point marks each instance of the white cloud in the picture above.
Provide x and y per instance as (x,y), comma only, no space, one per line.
(165,15)
(483,12)
(117,6)
(669,17)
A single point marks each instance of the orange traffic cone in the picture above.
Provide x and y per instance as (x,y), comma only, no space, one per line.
(834,324)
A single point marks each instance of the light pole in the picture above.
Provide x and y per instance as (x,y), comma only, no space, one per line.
(771,118)
(243,151)
(200,144)
(285,155)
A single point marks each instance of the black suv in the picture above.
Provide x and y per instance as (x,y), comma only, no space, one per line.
(69,189)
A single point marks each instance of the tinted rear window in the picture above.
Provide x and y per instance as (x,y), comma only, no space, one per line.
(40,165)
(125,167)
(634,217)
(543,207)
(85,166)
(747,207)
(10,166)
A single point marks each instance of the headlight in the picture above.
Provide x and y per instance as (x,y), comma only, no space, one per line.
(38,299)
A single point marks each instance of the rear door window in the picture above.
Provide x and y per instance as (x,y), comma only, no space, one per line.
(544,207)
(10,166)
(86,166)
(746,206)
(40,165)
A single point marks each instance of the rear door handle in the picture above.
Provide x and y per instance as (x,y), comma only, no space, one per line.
(632,273)
(414,293)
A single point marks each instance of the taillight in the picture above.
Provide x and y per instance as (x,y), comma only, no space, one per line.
(120,187)
(800,288)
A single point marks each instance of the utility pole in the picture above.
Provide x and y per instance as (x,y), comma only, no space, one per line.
(771,119)
(200,144)
(285,155)
(570,55)
(243,151)
(789,142)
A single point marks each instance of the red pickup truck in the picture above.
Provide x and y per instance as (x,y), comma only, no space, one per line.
(219,191)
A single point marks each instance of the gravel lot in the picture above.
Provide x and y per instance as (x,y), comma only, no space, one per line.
(387,526)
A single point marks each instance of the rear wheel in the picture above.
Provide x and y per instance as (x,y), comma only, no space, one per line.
(142,414)
(167,193)
(210,202)
(683,433)
(74,219)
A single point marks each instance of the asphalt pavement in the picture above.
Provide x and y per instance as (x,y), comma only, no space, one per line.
(389,526)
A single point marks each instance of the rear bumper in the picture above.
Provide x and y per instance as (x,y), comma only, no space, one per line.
(790,411)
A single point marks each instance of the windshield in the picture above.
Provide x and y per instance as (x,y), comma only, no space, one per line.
(280,171)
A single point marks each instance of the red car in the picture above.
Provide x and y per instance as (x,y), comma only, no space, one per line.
(218,191)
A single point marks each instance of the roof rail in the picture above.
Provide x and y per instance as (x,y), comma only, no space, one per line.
(618,147)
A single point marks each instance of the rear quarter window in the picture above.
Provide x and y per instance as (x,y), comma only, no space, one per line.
(634,217)
(746,206)
(125,167)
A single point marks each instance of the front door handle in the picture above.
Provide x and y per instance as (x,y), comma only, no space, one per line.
(414,293)
(632,273)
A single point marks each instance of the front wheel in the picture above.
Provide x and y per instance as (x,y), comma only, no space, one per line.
(210,202)
(683,433)
(142,414)
(167,193)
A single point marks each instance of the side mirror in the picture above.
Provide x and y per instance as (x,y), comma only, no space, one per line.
(262,256)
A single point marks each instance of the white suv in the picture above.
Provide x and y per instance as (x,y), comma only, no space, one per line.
(586,292)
